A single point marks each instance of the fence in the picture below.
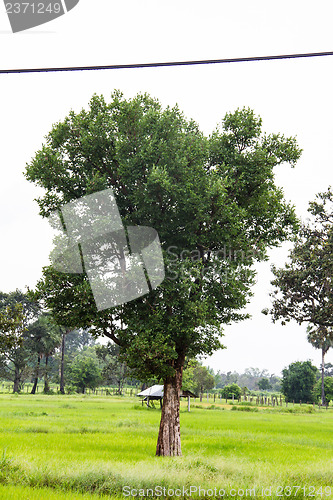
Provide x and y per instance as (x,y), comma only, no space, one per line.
(273,401)
(7,387)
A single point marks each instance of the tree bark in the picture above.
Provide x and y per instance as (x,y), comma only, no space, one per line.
(46,376)
(17,380)
(34,387)
(62,364)
(168,443)
(323,398)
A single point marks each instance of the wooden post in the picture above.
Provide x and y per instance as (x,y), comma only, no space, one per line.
(214,396)
(188,403)
(200,397)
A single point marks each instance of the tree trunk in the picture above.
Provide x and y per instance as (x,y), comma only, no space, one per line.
(323,398)
(168,443)
(46,376)
(17,380)
(34,387)
(62,381)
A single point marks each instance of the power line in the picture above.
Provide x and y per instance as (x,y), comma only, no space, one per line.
(166,64)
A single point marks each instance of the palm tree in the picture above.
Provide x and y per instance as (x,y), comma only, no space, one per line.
(321,338)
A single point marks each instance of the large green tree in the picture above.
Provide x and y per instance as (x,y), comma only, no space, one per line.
(303,287)
(298,381)
(215,206)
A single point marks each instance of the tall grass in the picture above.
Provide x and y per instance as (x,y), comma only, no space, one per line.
(98,445)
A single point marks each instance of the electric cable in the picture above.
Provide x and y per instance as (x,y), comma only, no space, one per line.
(167,64)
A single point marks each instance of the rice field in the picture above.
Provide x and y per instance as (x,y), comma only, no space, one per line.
(83,447)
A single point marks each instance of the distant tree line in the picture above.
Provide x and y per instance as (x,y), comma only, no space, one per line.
(253,379)
(33,348)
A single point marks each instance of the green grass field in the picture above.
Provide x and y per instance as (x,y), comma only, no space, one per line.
(73,447)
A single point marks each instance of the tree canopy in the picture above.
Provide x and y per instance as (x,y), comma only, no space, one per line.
(304,286)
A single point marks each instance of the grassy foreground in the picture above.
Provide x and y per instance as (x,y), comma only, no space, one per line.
(77,447)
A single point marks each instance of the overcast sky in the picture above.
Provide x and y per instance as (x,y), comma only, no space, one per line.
(293,97)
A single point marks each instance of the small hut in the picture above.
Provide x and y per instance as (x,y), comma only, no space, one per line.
(155,393)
